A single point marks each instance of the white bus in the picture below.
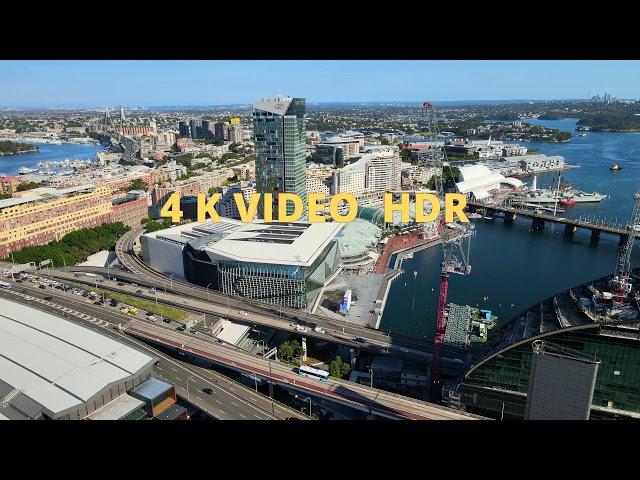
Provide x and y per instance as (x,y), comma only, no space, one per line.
(313,373)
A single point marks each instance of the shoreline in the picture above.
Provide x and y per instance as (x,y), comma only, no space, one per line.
(2,154)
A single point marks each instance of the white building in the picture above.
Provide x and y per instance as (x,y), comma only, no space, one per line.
(317,185)
(478,182)
(350,146)
(378,170)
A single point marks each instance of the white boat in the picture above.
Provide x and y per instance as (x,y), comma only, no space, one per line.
(474,215)
(26,171)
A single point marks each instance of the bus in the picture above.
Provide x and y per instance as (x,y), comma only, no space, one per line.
(313,373)
(5,285)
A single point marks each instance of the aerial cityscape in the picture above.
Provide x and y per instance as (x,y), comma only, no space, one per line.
(123,302)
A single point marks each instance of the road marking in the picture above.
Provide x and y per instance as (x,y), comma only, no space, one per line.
(242,415)
(219,402)
(234,404)
(257,417)
(223,412)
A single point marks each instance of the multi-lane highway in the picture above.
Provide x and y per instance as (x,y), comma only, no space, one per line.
(229,400)
(360,397)
(243,310)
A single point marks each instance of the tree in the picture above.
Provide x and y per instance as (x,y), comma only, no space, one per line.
(228,155)
(138,184)
(289,351)
(4,196)
(234,147)
(338,369)
(384,140)
(152,226)
(27,186)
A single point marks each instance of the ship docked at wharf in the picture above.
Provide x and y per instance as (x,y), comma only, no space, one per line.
(563,194)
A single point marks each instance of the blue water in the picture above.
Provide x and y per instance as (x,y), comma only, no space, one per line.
(513,267)
(10,164)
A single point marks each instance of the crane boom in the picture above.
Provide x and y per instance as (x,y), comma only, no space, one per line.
(621,282)
(456,260)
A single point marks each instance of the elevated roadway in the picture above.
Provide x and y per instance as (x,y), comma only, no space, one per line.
(230,400)
(360,397)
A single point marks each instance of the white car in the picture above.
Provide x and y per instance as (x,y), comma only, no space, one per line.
(152,318)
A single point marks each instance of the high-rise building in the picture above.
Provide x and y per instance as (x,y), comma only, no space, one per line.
(184,130)
(220,131)
(279,133)
(196,127)
(235,133)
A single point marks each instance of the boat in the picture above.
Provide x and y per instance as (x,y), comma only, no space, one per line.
(615,166)
(474,215)
(26,171)
(582,134)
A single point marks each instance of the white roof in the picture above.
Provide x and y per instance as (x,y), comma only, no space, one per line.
(57,363)
(278,105)
(117,408)
(232,332)
(297,244)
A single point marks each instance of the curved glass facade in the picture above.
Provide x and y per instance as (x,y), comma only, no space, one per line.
(502,382)
(372,214)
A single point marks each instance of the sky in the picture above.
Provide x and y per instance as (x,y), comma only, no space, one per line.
(84,83)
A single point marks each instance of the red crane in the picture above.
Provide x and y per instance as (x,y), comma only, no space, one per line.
(621,281)
(456,260)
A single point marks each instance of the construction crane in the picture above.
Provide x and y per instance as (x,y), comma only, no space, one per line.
(456,260)
(621,281)
(436,156)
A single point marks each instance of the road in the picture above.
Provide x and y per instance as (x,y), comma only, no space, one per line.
(226,403)
(360,397)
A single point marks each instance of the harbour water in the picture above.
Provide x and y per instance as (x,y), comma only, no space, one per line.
(10,164)
(513,268)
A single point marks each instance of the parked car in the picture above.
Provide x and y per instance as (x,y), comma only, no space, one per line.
(120,284)
(42,286)
(139,292)
(208,391)
(359,340)
(48,298)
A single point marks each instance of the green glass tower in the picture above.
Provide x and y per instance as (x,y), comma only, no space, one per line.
(279,134)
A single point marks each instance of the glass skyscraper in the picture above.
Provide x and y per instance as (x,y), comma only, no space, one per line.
(279,134)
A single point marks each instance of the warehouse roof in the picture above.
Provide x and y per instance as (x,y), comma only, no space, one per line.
(57,363)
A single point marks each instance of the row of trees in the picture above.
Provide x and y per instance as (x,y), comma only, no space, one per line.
(8,147)
(74,247)
(153,225)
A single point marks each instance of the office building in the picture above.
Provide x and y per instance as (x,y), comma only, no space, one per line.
(278,263)
(220,131)
(195,126)
(350,146)
(234,133)
(40,219)
(279,134)
(184,129)
(328,155)
(227,206)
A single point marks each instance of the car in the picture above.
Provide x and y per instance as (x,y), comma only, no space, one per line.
(208,391)
(120,284)
(194,331)
(76,275)
(139,292)
(157,363)
(152,318)
(42,286)
(19,281)
(166,320)
(48,298)
(359,340)
(181,328)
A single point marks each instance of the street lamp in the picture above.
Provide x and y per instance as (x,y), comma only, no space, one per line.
(262,346)
(190,378)
(208,291)
(305,399)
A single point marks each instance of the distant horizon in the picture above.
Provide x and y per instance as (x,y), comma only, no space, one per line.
(308,102)
(69,84)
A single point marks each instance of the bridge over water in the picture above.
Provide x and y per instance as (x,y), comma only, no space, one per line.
(540,218)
